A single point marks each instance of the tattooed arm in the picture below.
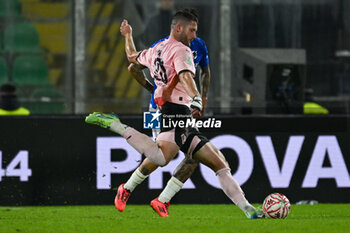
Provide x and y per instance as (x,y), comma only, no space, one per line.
(137,73)
(205,81)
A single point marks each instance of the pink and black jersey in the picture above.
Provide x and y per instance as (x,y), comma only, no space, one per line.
(166,61)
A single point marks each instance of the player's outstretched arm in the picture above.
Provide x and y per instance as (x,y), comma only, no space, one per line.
(130,49)
(136,72)
(205,78)
(188,83)
(186,79)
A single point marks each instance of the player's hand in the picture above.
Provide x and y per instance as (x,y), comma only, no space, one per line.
(125,28)
(196,107)
(196,113)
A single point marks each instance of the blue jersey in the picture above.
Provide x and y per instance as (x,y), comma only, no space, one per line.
(200,57)
(200,53)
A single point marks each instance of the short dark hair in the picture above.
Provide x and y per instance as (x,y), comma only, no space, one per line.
(185,15)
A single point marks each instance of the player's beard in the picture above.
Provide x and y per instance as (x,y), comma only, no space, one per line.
(184,39)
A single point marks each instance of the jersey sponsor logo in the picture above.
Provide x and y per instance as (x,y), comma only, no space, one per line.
(188,60)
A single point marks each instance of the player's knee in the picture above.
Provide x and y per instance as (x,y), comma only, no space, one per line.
(164,164)
(161,162)
(156,156)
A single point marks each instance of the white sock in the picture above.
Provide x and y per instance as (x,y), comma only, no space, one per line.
(118,127)
(135,179)
(230,186)
(173,186)
(245,206)
(232,189)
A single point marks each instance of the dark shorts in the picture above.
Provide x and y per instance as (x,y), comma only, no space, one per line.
(189,139)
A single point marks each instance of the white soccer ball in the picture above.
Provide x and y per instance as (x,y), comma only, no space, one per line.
(276,205)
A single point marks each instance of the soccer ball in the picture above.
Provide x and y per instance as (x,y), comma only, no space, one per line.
(276,205)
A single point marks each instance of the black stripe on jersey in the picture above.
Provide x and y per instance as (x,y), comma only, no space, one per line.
(138,57)
(186,71)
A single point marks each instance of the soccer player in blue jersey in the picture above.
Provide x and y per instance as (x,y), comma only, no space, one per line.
(188,165)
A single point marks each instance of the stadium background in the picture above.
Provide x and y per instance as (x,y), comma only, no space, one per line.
(67,59)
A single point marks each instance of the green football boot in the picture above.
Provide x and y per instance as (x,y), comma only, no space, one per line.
(258,213)
(101,119)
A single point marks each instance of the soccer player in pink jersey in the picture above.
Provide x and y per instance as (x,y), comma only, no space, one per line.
(188,165)
(171,65)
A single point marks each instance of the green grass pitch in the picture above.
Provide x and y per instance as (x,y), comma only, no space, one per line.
(183,218)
